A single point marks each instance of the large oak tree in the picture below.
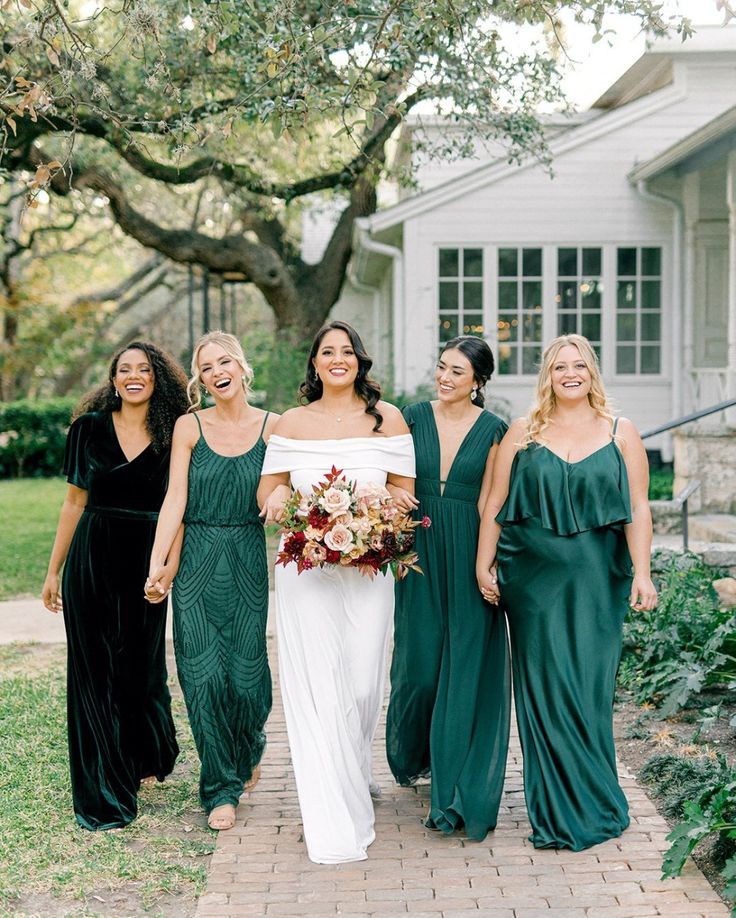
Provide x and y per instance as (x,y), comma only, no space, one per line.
(273,104)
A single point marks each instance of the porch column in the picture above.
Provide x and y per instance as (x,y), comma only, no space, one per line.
(731,200)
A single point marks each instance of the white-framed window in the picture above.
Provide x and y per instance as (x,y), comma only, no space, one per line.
(519,310)
(579,293)
(638,310)
(460,272)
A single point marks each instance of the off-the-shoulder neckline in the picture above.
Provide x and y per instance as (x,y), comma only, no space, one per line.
(339,439)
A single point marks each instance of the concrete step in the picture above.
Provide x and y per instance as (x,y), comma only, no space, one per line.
(713,527)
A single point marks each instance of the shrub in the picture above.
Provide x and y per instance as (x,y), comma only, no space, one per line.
(660,484)
(686,643)
(32,436)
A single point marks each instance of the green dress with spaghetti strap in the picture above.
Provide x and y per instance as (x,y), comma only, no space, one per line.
(565,575)
(220,602)
(450,674)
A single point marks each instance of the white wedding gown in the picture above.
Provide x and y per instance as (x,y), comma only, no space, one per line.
(333,633)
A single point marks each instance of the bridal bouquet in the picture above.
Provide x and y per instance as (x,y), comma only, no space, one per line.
(353,525)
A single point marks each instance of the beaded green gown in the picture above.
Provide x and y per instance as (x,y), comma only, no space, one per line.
(565,575)
(220,601)
(450,673)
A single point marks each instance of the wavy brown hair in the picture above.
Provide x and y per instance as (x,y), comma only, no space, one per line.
(168,402)
(366,387)
(545,400)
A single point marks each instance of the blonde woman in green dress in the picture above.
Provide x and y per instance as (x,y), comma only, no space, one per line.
(448,715)
(221,589)
(567,515)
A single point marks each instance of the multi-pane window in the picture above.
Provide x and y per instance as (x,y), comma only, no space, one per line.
(460,293)
(638,310)
(579,293)
(519,310)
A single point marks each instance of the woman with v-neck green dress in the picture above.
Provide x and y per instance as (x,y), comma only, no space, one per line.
(450,694)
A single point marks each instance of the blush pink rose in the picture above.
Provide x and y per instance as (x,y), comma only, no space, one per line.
(343,517)
(334,500)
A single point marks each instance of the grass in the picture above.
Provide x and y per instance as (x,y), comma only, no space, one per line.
(42,850)
(29,511)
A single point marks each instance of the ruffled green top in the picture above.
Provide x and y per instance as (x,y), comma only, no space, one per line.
(568,497)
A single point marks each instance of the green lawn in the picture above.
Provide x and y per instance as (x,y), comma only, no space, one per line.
(29,511)
(48,864)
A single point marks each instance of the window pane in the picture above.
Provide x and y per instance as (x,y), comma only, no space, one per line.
(626,360)
(650,326)
(448,295)
(472,296)
(532,295)
(507,291)
(591,261)
(530,357)
(448,328)
(567,262)
(533,326)
(626,262)
(506,359)
(650,294)
(650,360)
(508,326)
(590,294)
(651,262)
(567,323)
(507,263)
(473,323)
(532,262)
(473,262)
(626,327)
(448,262)
(567,295)
(626,295)
(591,327)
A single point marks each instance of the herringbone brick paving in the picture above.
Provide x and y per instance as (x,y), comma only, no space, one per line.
(261,866)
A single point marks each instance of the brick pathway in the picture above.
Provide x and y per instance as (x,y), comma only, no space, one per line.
(261,866)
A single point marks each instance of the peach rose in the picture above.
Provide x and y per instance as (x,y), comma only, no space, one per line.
(315,553)
(339,538)
(343,517)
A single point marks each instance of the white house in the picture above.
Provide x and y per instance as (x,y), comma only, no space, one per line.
(632,242)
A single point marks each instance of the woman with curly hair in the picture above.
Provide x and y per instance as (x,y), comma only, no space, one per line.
(333,623)
(567,515)
(119,708)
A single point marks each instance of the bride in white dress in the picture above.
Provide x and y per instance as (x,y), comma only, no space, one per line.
(334,624)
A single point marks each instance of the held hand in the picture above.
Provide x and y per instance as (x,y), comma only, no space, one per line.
(643,594)
(273,508)
(51,594)
(403,499)
(158,584)
(488,584)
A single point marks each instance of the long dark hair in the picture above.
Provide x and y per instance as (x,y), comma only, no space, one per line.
(168,402)
(366,387)
(481,360)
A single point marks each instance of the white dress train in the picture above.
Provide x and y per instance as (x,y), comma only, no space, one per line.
(333,630)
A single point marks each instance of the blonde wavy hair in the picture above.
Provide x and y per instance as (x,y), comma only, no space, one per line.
(545,400)
(232,347)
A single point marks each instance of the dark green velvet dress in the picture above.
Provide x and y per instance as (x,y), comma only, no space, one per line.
(450,673)
(220,605)
(118,702)
(565,576)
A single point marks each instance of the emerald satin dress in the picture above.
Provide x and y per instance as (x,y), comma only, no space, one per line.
(565,575)
(220,601)
(450,674)
(118,702)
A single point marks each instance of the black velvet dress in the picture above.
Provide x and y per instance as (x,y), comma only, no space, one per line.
(119,707)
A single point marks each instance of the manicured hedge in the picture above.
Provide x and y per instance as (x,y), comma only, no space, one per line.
(32,436)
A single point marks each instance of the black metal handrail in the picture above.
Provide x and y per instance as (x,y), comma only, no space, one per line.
(686,419)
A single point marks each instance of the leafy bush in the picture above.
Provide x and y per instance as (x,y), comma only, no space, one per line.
(684,644)
(32,436)
(701,793)
(660,484)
